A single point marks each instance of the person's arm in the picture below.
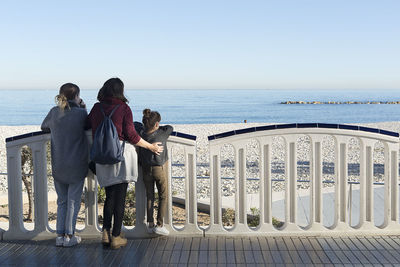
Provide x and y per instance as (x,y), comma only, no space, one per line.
(46,122)
(156,148)
(166,131)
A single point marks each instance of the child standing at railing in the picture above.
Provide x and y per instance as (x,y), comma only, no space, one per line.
(69,159)
(155,168)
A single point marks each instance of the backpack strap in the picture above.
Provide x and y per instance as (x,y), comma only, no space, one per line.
(112,112)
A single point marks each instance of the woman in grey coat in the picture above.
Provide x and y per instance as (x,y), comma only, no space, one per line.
(69,159)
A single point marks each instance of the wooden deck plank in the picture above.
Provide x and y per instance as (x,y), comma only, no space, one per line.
(352,258)
(212,243)
(170,243)
(240,251)
(229,244)
(297,243)
(289,243)
(221,257)
(314,256)
(267,256)
(360,257)
(374,243)
(204,244)
(258,256)
(280,244)
(238,244)
(255,245)
(194,256)
(392,243)
(371,258)
(166,256)
(262,240)
(239,257)
(357,243)
(249,257)
(184,257)
(334,259)
(221,243)
(230,257)
(212,256)
(285,255)
(342,257)
(272,243)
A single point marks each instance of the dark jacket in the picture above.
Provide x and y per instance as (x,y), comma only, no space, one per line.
(148,158)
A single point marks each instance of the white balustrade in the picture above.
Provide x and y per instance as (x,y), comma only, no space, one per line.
(238,140)
(341,224)
(37,142)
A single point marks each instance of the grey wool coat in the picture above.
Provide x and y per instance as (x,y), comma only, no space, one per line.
(69,145)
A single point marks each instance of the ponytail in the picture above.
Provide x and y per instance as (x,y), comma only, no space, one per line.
(62,101)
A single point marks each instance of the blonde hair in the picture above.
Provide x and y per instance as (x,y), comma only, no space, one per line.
(67,92)
(62,101)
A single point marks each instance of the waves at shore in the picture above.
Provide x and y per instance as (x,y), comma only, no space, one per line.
(202,131)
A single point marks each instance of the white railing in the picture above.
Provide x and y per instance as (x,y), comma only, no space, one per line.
(316,132)
(238,139)
(37,142)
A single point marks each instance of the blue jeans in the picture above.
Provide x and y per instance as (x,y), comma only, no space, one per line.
(68,205)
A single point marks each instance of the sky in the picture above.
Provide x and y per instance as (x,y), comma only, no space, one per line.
(207,44)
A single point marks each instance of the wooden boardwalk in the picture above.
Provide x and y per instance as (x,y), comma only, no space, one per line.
(212,251)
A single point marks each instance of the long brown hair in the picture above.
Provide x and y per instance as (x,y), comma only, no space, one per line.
(113,87)
(67,92)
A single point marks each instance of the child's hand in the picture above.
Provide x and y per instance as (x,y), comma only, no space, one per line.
(157,148)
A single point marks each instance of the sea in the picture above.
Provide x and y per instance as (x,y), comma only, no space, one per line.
(29,107)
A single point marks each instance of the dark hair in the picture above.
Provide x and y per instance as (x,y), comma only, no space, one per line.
(113,87)
(67,92)
(150,118)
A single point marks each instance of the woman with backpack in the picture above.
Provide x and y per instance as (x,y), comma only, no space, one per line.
(69,157)
(115,177)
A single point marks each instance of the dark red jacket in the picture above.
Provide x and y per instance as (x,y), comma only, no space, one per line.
(122,118)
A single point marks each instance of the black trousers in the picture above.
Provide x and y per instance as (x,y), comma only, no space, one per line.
(114,205)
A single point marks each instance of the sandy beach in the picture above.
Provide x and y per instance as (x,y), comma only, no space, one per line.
(202,131)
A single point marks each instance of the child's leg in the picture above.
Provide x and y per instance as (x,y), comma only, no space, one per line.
(62,199)
(160,174)
(149,185)
(119,207)
(74,205)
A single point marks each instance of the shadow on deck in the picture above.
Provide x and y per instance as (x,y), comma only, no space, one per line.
(212,251)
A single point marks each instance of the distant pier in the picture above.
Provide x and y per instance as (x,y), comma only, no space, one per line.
(340,102)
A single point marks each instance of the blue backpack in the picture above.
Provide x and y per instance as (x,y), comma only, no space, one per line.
(106,147)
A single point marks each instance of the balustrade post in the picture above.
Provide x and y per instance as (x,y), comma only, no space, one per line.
(391,187)
(91,224)
(216,226)
(16,228)
(366,185)
(341,185)
(40,198)
(290,183)
(316,202)
(265,186)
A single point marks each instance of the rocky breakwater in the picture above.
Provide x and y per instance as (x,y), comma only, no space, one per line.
(339,102)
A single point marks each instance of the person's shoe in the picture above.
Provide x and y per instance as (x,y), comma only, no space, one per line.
(150,228)
(71,241)
(106,240)
(59,241)
(118,242)
(161,230)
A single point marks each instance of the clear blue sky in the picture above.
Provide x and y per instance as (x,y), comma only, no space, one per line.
(281,44)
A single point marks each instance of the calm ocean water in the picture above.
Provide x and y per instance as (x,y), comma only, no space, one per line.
(29,107)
